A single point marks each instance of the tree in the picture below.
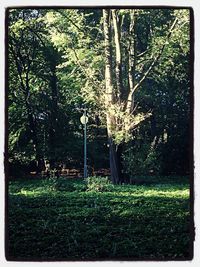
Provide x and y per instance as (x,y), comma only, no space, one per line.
(23,51)
(154,148)
(54,93)
(120,110)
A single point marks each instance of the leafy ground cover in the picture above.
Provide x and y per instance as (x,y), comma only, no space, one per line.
(71,220)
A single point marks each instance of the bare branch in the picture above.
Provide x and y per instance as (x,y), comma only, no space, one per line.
(143,53)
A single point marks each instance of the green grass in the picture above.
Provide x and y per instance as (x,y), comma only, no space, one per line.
(125,222)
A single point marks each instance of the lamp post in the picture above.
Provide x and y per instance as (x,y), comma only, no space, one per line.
(84,120)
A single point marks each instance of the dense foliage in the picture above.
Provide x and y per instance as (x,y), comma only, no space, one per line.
(73,220)
(56,63)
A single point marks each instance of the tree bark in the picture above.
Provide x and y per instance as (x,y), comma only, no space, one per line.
(110,99)
(114,162)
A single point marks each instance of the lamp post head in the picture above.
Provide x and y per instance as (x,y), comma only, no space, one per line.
(84,119)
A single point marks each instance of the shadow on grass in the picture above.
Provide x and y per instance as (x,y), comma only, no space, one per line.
(137,222)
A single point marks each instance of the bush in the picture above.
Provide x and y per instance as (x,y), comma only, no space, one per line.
(141,161)
(50,183)
(98,184)
(63,184)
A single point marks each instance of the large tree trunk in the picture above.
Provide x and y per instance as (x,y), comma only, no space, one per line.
(114,162)
(110,100)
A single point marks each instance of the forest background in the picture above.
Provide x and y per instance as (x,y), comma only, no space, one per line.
(130,68)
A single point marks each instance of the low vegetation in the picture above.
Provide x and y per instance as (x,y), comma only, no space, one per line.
(70,219)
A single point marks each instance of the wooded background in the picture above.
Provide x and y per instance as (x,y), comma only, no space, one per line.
(131,69)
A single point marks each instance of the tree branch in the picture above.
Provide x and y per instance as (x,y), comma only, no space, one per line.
(156,58)
(18,68)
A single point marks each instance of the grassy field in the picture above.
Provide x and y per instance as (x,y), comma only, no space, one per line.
(72,220)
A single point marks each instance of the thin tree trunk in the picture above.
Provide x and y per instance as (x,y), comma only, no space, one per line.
(53,134)
(118,67)
(32,125)
(109,98)
(33,128)
(131,60)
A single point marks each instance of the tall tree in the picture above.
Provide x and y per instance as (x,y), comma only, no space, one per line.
(120,111)
(23,50)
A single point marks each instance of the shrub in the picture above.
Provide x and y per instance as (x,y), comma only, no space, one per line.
(98,184)
(64,184)
(67,185)
(141,161)
(51,182)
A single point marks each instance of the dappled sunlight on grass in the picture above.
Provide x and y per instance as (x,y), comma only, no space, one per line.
(70,222)
(139,192)
(28,193)
(156,192)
